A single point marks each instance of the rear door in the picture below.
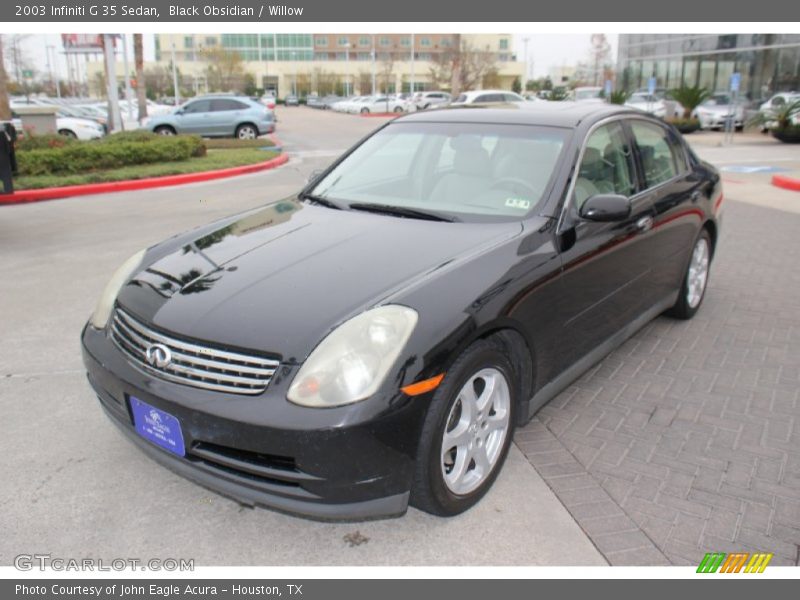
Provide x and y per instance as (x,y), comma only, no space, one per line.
(674,190)
(226,114)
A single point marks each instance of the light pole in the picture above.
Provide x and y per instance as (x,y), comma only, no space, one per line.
(373,64)
(347,69)
(294,60)
(525,75)
(175,76)
(413,83)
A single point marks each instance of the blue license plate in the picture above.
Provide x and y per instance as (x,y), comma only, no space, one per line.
(157,426)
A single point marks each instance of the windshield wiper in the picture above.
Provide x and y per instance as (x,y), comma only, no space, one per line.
(322,201)
(400,211)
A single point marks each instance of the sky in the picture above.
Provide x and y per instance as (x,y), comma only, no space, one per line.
(545,51)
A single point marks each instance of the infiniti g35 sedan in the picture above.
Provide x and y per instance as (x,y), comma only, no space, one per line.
(373,341)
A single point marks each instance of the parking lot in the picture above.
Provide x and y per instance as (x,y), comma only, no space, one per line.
(683,441)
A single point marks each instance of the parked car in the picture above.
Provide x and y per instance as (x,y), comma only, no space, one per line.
(216,116)
(718,109)
(487,97)
(432,99)
(269,101)
(587,94)
(78,128)
(375,339)
(655,105)
(769,108)
(380,104)
(291,100)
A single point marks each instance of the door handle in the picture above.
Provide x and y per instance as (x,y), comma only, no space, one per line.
(644,224)
(696,195)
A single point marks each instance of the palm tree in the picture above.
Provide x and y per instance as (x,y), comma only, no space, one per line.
(690,98)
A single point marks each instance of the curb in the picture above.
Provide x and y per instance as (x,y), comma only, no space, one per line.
(70,191)
(787,183)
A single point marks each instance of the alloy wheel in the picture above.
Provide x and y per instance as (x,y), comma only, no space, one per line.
(698,273)
(475,431)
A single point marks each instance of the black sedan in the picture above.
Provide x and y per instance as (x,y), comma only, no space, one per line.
(373,341)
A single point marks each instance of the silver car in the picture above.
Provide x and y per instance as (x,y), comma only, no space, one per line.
(216,116)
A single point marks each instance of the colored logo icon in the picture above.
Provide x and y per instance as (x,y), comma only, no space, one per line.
(737,562)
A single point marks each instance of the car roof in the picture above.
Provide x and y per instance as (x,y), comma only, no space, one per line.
(557,114)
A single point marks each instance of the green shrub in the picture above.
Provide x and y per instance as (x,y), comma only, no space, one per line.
(43,142)
(83,157)
(233,143)
(136,135)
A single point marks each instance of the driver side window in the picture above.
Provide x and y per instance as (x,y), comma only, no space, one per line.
(606,166)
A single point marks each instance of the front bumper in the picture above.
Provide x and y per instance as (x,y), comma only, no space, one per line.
(262,450)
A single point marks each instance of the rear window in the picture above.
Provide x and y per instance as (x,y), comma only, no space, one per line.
(221,104)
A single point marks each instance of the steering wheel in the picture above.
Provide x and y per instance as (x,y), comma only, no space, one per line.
(514,184)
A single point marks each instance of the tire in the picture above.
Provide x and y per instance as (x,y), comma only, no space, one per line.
(364,111)
(691,296)
(246,131)
(164,130)
(398,109)
(68,133)
(739,128)
(448,481)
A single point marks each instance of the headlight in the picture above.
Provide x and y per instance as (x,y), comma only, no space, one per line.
(351,363)
(102,311)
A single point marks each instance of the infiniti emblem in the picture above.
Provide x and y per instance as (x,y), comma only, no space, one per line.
(158,355)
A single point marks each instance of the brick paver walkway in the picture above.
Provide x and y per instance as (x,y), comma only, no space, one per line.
(686,440)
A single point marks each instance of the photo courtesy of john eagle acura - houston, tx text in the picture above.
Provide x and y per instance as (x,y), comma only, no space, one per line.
(372,342)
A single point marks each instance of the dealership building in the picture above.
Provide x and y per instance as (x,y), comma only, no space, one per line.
(334,62)
(767,63)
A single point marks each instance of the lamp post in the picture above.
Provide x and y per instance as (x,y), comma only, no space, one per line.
(412,83)
(175,77)
(525,75)
(294,60)
(374,76)
(347,69)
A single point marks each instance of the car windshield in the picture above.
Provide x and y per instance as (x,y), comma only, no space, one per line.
(466,171)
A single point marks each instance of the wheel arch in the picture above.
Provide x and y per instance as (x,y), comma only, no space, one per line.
(244,124)
(520,350)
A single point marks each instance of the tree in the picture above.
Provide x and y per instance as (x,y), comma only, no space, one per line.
(386,73)
(690,98)
(516,87)
(600,55)
(462,66)
(5,109)
(225,71)
(158,81)
(141,90)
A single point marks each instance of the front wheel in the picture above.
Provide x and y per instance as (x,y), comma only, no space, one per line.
(695,280)
(364,111)
(398,109)
(68,133)
(467,431)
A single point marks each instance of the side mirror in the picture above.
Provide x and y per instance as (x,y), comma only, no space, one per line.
(606,207)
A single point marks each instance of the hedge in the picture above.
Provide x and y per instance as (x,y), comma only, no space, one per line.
(112,152)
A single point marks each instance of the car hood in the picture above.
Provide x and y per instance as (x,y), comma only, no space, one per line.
(280,278)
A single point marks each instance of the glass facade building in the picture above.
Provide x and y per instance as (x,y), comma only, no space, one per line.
(767,63)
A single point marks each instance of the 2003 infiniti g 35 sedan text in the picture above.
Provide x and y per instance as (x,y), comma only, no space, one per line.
(373,341)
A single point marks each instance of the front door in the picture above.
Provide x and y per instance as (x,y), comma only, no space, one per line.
(604,264)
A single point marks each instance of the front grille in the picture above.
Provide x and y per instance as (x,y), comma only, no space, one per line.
(192,364)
